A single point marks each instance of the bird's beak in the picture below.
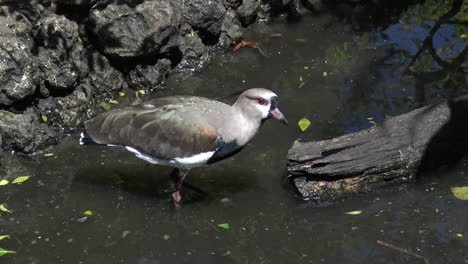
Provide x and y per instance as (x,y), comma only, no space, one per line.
(276,114)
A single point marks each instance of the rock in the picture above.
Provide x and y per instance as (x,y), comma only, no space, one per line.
(67,111)
(23,132)
(314,5)
(72,110)
(205,16)
(60,53)
(16,25)
(232,3)
(123,32)
(191,46)
(147,77)
(231,31)
(76,3)
(194,53)
(18,72)
(247,12)
(103,79)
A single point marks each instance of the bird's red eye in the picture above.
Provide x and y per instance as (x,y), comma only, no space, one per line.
(261,101)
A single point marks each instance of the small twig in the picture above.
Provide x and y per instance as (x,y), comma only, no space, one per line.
(406,251)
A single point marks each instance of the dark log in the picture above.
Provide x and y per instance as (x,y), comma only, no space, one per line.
(393,152)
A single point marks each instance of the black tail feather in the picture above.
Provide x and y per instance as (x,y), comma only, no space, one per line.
(85,139)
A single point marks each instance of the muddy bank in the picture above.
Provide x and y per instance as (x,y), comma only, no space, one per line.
(60,60)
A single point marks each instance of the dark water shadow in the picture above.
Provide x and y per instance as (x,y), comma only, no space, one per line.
(450,143)
(157,182)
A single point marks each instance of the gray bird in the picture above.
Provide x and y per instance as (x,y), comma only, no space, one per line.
(184,131)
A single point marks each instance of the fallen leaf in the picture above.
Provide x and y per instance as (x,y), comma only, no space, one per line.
(225,226)
(5,209)
(306,67)
(49,154)
(301,40)
(5,251)
(113,101)
(121,93)
(460,192)
(105,106)
(4,236)
(4,182)
(459,235)
(242,44)
(88,212)
(141,91)
(304,123)
(21,179)
(301,82)
(44,118)
(354,212)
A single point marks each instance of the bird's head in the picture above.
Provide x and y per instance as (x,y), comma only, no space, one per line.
(260,104)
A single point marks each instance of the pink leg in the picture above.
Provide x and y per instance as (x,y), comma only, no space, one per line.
(180,180)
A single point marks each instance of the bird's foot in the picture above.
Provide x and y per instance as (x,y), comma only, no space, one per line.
(176,196)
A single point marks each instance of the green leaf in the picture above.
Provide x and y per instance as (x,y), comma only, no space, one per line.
(88,213)
(4,182)
(121,93)
(460,192)
(354,212)
(304,123)
(105,106)
(5,251)
(141,91)
(49,154)
(5,209)
(44,118)
(459,235)
(20,179)
(113,101)
(4,236)
(225,226)
(306,67)
(464,36)
(301,82)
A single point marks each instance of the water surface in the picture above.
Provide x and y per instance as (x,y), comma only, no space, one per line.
(340,80)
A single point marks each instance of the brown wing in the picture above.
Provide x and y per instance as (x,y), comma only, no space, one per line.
(163,128)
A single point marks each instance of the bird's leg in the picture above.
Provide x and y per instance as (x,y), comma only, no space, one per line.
(180,180)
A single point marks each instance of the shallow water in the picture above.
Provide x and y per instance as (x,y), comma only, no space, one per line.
(134,220)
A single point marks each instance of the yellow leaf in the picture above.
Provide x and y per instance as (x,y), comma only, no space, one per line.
(304,123)
(121,93)
(88,212)
(141,91)
(460,192)
(113,101)
(4,182)
(105,106)
(44,118)
(459,235)
(20,179)
(354,212)
(5,209)
(49,154)
(4,236)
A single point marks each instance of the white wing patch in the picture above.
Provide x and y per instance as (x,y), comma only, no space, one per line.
(185,162)
(195,160)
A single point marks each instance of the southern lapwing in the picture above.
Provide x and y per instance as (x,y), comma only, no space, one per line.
(184,131)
